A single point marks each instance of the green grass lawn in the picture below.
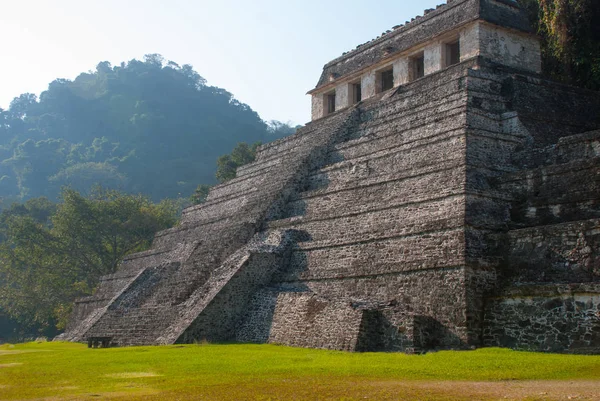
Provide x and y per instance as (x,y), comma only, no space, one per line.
(65,371)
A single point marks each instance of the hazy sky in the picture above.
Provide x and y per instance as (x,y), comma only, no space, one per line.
(268,53)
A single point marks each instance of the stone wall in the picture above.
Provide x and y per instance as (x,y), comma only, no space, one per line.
(531,209)
(505,47)
(89,310)
(306,320)
(554,318)
(503,137)
(563,253)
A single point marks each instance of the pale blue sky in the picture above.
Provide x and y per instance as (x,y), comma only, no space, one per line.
(268,53)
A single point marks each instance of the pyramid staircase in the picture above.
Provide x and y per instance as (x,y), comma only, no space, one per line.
(167,288)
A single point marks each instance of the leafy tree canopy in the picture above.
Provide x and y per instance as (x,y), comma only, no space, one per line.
(149,126)
(200,194)
(54,253)
(228,164)
(570,34)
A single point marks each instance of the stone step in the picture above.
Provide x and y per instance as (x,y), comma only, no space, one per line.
(371,257)
(414,187)
(229,286)
(272,154)
(245,186)
(406,159)
(406,132)
(220,209)
(568,149)
(369,226)
(274,159)
(253,182)
(394,111)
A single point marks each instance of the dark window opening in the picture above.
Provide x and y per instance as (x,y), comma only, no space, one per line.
(330,103)
(452,53)
(356,93)
(387,80)
(417,66)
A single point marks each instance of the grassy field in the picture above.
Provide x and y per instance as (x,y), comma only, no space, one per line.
(64,371)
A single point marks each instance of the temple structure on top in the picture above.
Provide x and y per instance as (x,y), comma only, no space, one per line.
(461,30)
(444,195)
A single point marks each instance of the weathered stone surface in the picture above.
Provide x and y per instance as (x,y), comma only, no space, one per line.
(550,319)
(459,209)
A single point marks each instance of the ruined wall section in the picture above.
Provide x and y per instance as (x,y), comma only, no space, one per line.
(555,215)
(550,110)
(531,193)
(504,135)
(553,318)
(521,143)
(556,253)
(549,287)
(562,185)
(108,287)
(304,319)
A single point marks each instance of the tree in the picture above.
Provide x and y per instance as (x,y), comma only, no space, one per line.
(29,285)
(79,176)
(33,162)
(200,194)
(22,105)
(51,256)
(228,164)
(101,229)
(570,35)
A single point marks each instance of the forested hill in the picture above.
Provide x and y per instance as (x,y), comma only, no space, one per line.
(150,127)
